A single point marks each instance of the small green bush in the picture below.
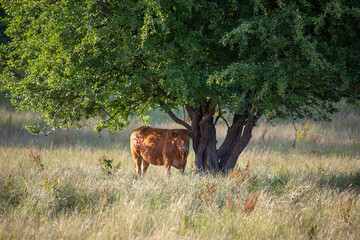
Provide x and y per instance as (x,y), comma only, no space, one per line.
(106,165)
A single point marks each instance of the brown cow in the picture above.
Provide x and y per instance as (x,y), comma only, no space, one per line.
(169,147)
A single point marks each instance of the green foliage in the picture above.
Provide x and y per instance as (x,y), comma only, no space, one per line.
(101,60)
(3,37)
(106,165)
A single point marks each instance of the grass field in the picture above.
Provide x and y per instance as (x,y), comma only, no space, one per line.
(62,186)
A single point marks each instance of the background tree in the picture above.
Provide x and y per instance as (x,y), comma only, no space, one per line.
(240,59)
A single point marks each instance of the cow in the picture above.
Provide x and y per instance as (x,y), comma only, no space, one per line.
(168,147)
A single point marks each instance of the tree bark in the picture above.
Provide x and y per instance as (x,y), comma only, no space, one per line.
(202,157)
(230,139)
(195,116)
(211,157)
(242,140)
(207,157)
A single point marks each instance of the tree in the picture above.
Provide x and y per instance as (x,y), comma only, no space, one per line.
(239,59)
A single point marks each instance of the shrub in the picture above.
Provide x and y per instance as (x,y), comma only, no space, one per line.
(106,165)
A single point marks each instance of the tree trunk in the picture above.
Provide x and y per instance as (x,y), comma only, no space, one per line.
(207,157)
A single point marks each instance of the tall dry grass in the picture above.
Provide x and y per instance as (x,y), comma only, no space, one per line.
(75,185)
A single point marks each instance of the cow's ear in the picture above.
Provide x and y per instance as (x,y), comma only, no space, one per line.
(174,134)
(192,134)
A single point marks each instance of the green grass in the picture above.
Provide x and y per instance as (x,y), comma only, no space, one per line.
(55,187)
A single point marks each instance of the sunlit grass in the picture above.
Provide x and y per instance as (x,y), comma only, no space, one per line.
(54,187)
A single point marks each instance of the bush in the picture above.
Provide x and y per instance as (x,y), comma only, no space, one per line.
(106,165)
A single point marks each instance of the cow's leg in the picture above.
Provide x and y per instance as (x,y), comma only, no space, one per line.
(138,162)
(167,170)
(144,166)
(137,159)
(182,167)
(167,167)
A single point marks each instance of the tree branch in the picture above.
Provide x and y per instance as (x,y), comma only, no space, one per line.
(173,116)
(225,121)
(177,120)
(232,132)
(209,114)
(218,117)
(190,111)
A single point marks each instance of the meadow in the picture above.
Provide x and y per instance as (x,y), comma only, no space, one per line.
(74,185)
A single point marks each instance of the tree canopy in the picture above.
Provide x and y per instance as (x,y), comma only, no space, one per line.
(74,60)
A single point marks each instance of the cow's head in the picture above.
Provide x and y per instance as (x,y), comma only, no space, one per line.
(182,138)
